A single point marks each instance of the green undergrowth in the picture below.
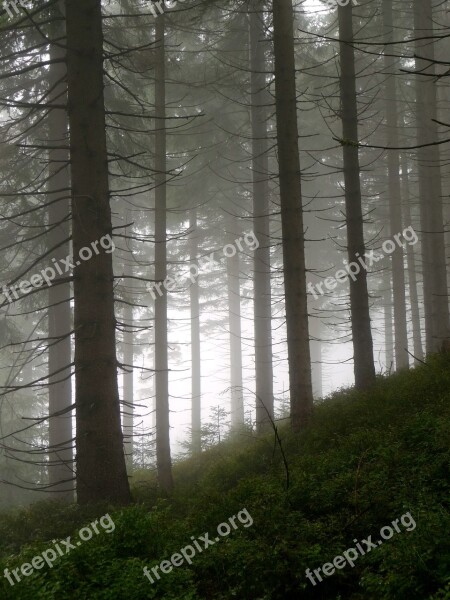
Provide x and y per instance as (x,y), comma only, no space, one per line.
(367,459)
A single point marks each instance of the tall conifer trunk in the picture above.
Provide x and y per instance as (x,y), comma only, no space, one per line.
(234,320)
(388,323)
(437,326)
(194,291)
(128,375)
(61,465)
(395,203)
(359,297)
(316,356)
(300,386)
(262,303)
(101,472)
(163,456)
(412,273)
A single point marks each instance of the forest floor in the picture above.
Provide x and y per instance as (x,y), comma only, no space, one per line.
(370,475)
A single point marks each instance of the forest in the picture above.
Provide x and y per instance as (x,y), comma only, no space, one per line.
(224,299)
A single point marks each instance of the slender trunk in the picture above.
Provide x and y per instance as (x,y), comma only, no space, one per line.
(359,298)
(163,457)
(262,303)
(388,324)
(412,273)
(443,100)
(101,472)
(437,325)
(234,320)
(61,464)
(128,376)
(316,357)
(395,207)
(194,291)
(301,396)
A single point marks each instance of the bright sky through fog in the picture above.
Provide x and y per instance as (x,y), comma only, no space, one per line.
(336,357)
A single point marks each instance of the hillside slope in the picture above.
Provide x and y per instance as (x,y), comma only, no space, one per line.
(368,461)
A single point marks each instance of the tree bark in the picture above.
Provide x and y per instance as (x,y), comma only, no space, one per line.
(395,206)
(163,455)
(412,273)
(128,376)
(364,367)
(388,324)
(437,323)
(301,396)
(316,357)
(101,472)
(262,303)
(61,439)
(194,291)
(234,320)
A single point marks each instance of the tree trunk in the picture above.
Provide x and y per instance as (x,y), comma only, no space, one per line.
(395,206)
(437,327)
(359,298)
(301,396)
(412,273)
(163,457)
(388,324)
(101,472)
(128,375)
(316,357)
(194,291)
(61,464)
(234,320)
(262,303)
